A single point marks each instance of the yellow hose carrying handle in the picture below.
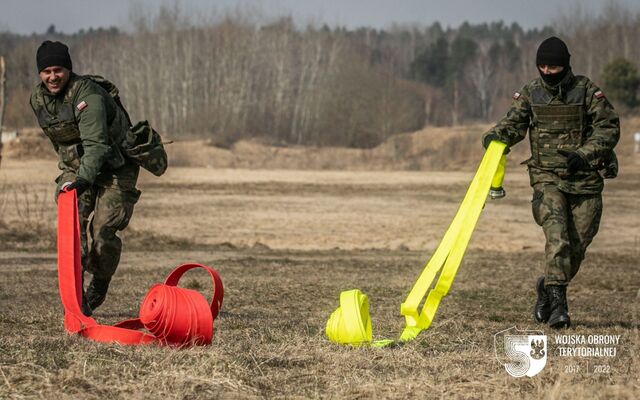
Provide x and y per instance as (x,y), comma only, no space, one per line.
(350,323)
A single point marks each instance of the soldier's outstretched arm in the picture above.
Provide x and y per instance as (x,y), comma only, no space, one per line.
(605,125)
(512,128)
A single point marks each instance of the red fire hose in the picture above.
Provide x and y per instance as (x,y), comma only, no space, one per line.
(172,315)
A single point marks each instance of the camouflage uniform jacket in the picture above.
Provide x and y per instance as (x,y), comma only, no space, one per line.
(85,126)
(572,116)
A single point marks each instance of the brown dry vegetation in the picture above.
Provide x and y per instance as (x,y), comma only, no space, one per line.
(286,242)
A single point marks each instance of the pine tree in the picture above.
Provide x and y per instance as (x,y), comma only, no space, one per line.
(621,81)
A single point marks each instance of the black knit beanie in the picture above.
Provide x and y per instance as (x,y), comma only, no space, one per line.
(553,51)
(52,54)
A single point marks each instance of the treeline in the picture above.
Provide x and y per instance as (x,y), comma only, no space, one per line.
(236,77)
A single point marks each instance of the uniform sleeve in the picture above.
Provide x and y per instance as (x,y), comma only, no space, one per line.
(604,124)
(512,128)
(91,114)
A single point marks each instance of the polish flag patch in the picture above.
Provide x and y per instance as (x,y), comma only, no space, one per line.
(516,95)
(82,105)
(599,94)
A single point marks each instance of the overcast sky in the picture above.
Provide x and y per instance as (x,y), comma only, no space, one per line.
(27,16)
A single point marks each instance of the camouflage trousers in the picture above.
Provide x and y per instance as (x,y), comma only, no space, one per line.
(104,209)
(570,222)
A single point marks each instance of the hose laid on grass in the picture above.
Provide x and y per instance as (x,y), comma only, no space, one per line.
(350,323)
(172,315)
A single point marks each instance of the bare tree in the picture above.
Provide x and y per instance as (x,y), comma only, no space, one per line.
(480,74)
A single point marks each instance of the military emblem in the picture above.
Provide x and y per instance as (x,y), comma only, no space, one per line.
(516,95)
(537,349)
(82,105)
(522,353)
(599,94)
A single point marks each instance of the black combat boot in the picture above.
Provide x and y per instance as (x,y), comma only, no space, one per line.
(542,309)
(86,310)
(84,306)
(97,292)
(559,317)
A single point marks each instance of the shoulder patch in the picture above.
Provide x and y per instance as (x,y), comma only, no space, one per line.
(599,94)
(516,95)
(82,105)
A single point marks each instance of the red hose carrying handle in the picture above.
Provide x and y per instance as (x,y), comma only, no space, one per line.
(172,315)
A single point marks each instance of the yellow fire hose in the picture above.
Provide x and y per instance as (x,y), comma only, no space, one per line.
(350,322)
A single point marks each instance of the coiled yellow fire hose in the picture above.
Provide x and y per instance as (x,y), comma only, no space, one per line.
(350,323)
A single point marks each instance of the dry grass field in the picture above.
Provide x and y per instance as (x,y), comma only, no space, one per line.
(286,243)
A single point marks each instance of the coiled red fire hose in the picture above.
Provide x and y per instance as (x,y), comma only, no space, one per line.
(172,315)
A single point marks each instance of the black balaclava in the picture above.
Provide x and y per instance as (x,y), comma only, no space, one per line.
(553,51)
(52,54)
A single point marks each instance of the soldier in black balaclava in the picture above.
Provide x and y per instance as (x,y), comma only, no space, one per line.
(572,131)
(553,53)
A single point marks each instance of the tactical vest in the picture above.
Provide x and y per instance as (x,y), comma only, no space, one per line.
(62,127)
(556,126)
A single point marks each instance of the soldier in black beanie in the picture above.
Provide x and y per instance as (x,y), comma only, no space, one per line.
(572,131)
(53,54)
(54,65)
(86,124)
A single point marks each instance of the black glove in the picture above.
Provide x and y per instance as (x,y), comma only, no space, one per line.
(575,162)
(80,185)
(486,141)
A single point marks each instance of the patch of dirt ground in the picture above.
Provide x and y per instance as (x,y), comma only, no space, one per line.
(269,341)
